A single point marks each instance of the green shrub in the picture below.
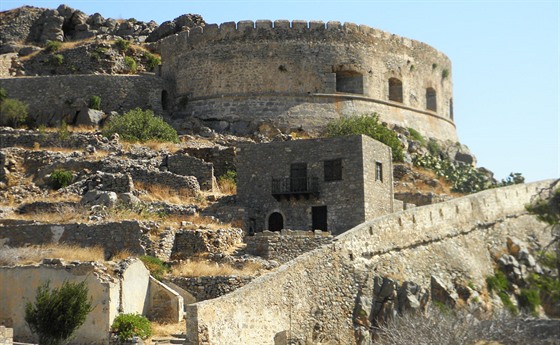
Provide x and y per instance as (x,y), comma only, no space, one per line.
(529,299)
(139,125)
(498,282)
(504,297)
(53,46)
(153,61)
(434,148)
(61,178)
(122,45)
(127,326)
(95,102)
(370,126)
(58,313)
(130,63)
(228,182)
(3,95)
(63,132)
(513,178)
(57,60)
(13,112)
(445,74)
(464,178)
(158,269)
(415,135)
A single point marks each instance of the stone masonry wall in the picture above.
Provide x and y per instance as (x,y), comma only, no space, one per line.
(314,295)
(203,288)
(285,245)
(67,94)
(222,158)
(286,72)
(6,335)
(190,243)
(112,237)
(182,164)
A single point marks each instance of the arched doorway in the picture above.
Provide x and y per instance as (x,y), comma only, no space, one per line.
(275,222)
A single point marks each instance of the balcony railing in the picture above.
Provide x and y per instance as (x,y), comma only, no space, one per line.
(296,187)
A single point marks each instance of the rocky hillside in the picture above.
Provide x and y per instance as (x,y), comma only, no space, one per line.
(28,37)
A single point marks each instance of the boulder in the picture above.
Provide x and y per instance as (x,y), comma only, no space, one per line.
(514,246)
(90,117)
(97,197)
(442,292)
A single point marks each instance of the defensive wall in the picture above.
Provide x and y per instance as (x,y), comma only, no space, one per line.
(312,298)
(303,74)
(51,98)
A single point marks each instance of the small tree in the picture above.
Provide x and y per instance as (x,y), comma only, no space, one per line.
(57,313)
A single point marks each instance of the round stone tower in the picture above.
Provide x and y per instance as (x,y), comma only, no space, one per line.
(301,75)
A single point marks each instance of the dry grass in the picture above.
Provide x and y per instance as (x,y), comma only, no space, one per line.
(206,222)
(122,254)
(207,269)
(64,214)
(159,192)
(227,187)
(164,330)
(33,255)
(157,145)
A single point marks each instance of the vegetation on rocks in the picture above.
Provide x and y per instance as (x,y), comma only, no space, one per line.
(139,125)
(95,102)
(158,269)
(368,125)
(61,178)
(57,313)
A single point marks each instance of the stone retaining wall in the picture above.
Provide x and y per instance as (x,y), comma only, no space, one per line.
(6,335)
(203,288)
(182,164)
(190,243)
(314,296)
(285,245)
(65,95)
(112,237)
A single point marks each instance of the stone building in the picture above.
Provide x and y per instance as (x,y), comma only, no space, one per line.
(329,184)
(299,74)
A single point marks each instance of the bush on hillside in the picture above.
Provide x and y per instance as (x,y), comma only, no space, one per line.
(53,46)
(139,125)
(95,102)
(158,269)
(61,178)
(368,125)
(127,326)
(130,63)
(13,112)
(57,313)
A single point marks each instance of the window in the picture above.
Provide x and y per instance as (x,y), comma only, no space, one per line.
(395,90)
(431,102)
(378,171)
(333,170)
(349,82)
(451,108)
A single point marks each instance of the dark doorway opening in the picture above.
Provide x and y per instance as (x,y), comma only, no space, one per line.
(319,217)
(275,222)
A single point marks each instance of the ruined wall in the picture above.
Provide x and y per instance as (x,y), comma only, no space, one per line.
(285,245)
(67,94)
(164,303)
(6,335)
(314,295)
(302,74)
(23,287)
(190,243)
(112,237)
(182,164)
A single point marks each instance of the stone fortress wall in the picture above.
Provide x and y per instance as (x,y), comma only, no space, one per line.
(54,97)
(302,74)
(314,296)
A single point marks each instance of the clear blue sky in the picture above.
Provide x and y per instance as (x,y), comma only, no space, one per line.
(505,57)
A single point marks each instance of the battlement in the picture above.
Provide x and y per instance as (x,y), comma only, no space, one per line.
(285,29)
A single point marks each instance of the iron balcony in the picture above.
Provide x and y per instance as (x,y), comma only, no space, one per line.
(296,187)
